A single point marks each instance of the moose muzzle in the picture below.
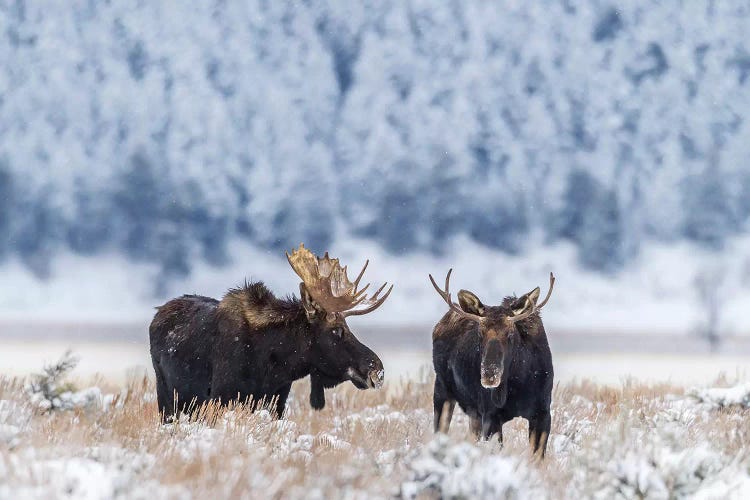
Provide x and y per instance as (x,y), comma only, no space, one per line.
(369,378)
(376,378)
(492,364)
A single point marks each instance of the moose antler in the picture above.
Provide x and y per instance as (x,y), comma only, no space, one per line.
(534,307)
(446,295)
(329,286)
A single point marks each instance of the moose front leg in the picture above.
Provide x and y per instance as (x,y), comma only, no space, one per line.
(443,407)
(499,430)
(281,398)
(490,427)
(539,427)
(482,427)
(317,392)
(475,425)
(443,419)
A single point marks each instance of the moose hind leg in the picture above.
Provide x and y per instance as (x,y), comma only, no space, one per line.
(164,396)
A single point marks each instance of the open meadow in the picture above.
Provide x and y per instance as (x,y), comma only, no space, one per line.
(196,197)
(96,439)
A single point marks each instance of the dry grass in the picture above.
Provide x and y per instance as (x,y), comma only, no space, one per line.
(367,444)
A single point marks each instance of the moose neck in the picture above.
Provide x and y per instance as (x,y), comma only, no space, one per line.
(298,351)
(288,347)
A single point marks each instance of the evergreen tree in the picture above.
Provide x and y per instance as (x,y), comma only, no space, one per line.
(709,215)
(7,207)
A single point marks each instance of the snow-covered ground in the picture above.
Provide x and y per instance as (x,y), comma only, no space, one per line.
(655,295)
(633,440)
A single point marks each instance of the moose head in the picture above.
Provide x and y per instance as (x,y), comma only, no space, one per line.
(328,298)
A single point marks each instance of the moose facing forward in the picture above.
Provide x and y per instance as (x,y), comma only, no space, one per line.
(495,362)
(252,345)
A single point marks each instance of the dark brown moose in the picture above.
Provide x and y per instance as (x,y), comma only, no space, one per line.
(252,345)
(495,362)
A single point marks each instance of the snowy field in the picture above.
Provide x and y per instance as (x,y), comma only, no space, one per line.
(631,440)
(627,423)
(153,149)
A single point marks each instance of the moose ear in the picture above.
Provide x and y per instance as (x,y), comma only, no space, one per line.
(470,303)
(310,306)
(526,301)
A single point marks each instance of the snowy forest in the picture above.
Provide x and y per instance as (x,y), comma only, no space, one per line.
(165,130)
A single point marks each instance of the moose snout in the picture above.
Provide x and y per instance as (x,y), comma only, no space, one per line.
(491,377)
(492,365)
(375,378)
(367,376)
(375,373)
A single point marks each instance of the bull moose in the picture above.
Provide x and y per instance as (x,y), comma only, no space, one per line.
(495,362)
(252,345)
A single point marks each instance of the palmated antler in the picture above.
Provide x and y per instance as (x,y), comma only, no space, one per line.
(329,286)
(446,295)
(534,308)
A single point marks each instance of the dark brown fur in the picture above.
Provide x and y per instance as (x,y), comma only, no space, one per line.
(252,346)
(520,351)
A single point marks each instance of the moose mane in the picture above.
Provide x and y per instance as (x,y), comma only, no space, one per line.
(259,307)
(530,326)
(452,324)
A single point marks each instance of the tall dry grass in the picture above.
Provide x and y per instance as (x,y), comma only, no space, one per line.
(364,444)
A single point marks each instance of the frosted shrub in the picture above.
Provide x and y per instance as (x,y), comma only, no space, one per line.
(49,392)
(651,463)
(445,470)
(724,397)
(661,473)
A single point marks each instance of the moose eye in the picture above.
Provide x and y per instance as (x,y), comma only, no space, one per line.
(337,332)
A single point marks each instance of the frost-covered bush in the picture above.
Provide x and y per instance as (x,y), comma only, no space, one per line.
(50,392)
(443,469)
(98,473)
(724,397)
(654,463)
(661,473)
